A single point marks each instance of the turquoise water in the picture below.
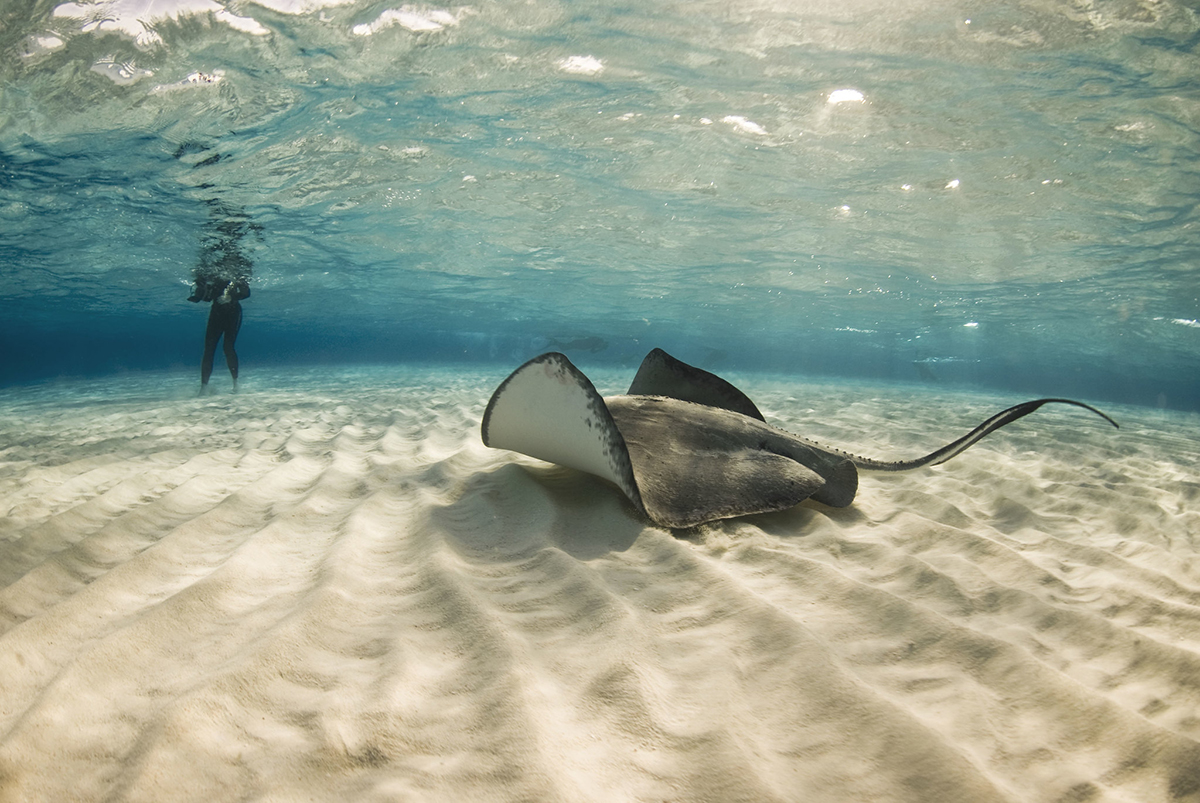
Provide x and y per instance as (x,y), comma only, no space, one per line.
(1002,196)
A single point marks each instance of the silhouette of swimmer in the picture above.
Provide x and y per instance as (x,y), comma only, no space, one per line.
(223,272)
(224,320)
(223,277)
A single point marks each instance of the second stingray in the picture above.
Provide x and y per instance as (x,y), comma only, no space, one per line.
(684,445)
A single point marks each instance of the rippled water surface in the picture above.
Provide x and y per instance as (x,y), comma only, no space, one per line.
(1003,194)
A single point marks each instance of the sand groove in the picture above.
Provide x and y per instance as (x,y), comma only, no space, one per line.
(338,593)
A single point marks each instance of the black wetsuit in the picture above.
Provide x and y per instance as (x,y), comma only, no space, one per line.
(224,319)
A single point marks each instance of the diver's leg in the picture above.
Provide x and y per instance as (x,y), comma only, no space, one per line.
(212,333)
(232,327)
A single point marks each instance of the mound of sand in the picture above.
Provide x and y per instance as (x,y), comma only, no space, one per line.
(326,588)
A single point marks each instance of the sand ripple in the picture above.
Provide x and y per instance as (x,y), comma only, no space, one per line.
(333,591)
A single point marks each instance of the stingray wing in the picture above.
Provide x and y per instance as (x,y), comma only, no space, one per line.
(549,410)
(696,463)
(662,375)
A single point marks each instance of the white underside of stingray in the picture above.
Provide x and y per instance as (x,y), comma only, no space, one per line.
(684,445)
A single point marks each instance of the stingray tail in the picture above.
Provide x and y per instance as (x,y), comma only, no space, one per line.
(971,438)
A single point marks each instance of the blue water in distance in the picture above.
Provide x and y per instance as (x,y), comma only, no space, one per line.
(1005,197)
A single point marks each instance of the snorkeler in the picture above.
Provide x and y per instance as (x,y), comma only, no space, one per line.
(224,320)
(223,277)
(223,272)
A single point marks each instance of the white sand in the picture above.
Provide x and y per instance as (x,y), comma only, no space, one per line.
(326,588)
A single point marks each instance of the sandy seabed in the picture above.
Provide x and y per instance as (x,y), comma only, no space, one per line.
(326,588)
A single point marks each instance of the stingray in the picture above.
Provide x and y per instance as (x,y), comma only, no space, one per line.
(685,446)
